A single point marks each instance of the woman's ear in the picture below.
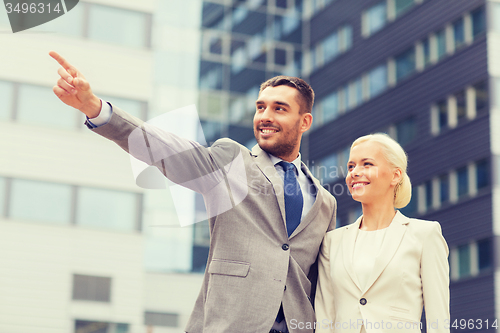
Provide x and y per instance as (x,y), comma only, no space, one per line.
(397,176)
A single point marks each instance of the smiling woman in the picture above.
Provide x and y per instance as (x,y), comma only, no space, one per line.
(383,258)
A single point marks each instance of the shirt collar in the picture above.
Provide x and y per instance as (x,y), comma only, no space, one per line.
(297,162)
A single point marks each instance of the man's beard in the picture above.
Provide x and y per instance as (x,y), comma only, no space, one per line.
(283,147)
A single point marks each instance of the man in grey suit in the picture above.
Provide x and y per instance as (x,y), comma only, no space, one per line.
(263,244)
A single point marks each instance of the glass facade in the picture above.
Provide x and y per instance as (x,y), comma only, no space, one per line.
(107,209)
(32,99)
(119,26)
(6,99)
(376,18)
(40,201)
(377,80)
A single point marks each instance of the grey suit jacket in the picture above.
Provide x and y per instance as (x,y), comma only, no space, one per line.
(253,266)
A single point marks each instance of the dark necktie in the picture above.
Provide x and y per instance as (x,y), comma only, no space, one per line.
(293,197)
(293,207)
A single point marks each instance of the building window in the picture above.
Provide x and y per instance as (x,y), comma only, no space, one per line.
(459,33)
(331,47)
(87,326)
(461,105)
(32,99)
(482,174)
(444,188)
(428,195)
(91,288)
(327,171)
(161,319)
(119,26)
(412,207)
(485,254)
(40,201)
(401,6)
(441,44)
(330,106)
(374,18)
(406,131)
(426,49)
(357,92)
(107,209)
(481,92)
(463,181)
(442,108)
(135,108)
(478,22)
(3,195)
(405,64)
(6,98)
(377,80)
(495,15)
(464,266)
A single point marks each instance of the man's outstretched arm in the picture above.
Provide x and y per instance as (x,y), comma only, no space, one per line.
(74,90)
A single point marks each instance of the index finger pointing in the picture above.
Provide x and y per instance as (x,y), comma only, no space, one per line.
(63,62)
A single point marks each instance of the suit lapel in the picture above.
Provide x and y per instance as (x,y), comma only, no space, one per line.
(265,165)
(392,240)
(348,242)
(317,202)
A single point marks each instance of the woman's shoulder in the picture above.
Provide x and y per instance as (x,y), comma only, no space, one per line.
(422,227)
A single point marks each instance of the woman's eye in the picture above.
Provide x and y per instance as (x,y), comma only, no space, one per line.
(368,164)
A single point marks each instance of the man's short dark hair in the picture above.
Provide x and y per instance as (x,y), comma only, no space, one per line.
(305,90)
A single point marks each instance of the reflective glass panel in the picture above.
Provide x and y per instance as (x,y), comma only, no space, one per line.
(70,23)
(458,33)
(444,188)
(495,6)
(441,43)
(411,208)
(463,181)
(2,196)
(461,105)
(135,108)
(330,106)
(428,194)
(118,26)
(106,209)
(331,47)
(6,98)
(464,260)
(377,17)
(485,253)
(33,99)
(482,174)
(377,79)
(40,201)
(482,97)
(406,131)
(427,52)
(405,64)
(442,107)
(402,6)
(328,170)
(478,22)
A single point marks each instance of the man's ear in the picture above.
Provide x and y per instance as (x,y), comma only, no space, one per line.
(306,122)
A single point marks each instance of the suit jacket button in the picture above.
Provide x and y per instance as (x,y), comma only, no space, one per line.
(363,301)
(285,247)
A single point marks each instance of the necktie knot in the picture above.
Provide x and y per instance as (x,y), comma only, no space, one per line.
(287,166)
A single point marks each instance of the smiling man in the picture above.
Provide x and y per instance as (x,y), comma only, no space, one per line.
(260,270)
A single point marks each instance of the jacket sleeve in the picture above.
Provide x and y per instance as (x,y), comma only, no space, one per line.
(435,281)
(182,161)
(324,305)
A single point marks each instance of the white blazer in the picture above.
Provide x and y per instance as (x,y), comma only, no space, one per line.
(410,271)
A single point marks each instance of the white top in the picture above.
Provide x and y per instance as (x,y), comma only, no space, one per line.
(366,249)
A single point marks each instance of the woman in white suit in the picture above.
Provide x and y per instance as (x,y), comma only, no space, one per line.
(377,274)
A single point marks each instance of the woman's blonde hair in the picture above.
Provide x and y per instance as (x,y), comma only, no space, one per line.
(396,156)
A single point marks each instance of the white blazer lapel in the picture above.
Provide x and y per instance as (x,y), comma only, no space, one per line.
(392,240)
(348,242)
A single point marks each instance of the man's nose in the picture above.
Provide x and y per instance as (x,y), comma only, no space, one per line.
(267,115)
